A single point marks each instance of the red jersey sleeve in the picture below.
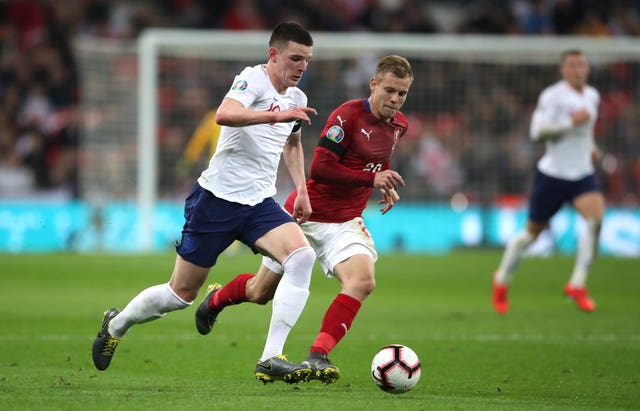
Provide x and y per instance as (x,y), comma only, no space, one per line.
(326,168)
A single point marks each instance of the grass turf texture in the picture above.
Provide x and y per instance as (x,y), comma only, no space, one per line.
(544,354)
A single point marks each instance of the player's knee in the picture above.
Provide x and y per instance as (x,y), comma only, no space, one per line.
(360,288)
(367,286)
(299,258)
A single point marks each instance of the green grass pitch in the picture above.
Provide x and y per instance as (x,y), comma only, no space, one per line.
(543,355)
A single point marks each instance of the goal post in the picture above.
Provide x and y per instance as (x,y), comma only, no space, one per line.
(468,90)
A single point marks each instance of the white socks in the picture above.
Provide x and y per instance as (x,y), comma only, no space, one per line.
(512,255)
(289,299)
(587,250)
(152,303)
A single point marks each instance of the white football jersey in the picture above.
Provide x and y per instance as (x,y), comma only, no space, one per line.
(244,166)
(568,156)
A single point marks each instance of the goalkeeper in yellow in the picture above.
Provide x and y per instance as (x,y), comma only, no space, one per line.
(206,134)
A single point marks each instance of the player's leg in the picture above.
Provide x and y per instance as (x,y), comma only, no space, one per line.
(546,199)
(272,232)
(590,206)
(286,243)
(151,303)
(515,249)
(511,258)
(356,274)
(206,233)
(347,251)
(154,302)
(258,288)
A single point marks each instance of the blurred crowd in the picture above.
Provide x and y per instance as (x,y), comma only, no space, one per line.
(451,148)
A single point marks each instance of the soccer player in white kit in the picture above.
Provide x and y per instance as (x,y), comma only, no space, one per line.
(564,119)
(352,158)
(261,117)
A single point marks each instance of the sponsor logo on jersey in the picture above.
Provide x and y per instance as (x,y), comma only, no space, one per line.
(341,120)
(396,137)
(366,133)
(335,134)
(240,85)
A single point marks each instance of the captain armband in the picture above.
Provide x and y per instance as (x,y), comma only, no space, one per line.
(296,126)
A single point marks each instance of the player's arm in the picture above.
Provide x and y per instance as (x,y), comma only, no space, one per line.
(233,113)
(294,159)
(548,122)
(327,168)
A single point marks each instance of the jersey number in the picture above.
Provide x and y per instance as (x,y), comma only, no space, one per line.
(373,167)
(274,108)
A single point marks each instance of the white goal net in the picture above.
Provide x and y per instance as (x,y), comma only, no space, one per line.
(469,108)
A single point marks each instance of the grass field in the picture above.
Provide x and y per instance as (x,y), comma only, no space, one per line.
(543,355)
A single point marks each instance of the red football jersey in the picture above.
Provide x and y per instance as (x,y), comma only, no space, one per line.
(354,145)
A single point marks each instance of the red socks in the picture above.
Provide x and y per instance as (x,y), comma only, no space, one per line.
(336,322)
(232,293)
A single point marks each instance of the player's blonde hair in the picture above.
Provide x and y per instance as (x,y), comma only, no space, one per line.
(394,64)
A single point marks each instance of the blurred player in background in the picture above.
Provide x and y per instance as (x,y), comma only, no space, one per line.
(351,159)
(205,136)
(564,118)
(261,117)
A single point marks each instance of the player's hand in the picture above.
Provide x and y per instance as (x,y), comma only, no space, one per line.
(301,208)
(388,179)
(595,155)
(580,117)
(389,198)
(295,113)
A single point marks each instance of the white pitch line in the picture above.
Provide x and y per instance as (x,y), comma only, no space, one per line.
(488,337)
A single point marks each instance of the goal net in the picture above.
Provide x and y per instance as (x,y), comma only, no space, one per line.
(469,109)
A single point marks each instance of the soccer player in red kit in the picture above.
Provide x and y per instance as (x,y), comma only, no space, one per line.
(351,159)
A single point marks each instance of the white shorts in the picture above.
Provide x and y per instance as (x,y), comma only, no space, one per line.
(333,243)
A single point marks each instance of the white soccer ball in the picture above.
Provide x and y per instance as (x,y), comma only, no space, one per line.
(396,369)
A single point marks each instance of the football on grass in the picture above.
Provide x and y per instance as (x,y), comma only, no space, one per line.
(396,369)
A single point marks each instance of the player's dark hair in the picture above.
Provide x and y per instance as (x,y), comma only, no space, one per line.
(289,31)
(394,64)
(571,52)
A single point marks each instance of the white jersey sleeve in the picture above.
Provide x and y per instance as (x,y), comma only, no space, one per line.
(549,118)
(568,148)
(245,165)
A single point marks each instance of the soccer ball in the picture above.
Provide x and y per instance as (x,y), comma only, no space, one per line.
(396,369)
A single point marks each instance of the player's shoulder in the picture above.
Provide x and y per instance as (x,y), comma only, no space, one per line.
(553,92)
(555,88)
(252,72)
(253,77)
(350,108)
